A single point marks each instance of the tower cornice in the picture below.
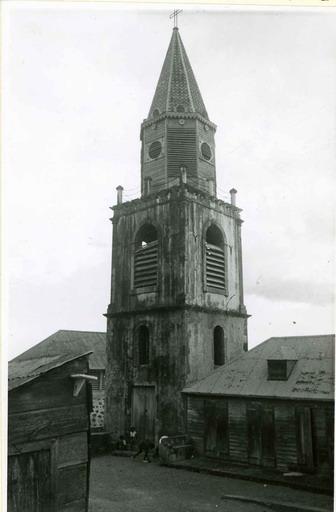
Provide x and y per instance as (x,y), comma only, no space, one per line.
(178,115)
(177,193)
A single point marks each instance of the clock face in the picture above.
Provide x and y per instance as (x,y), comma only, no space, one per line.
(155,149)
(206,151)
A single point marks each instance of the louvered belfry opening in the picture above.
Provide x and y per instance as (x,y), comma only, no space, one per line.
(146,257)
(215,258)
(181,150)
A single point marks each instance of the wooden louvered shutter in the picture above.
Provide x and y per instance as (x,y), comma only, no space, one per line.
(215,266)
(146,265)
(181,146)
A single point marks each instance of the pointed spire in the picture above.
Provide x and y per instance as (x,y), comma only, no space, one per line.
(177,89)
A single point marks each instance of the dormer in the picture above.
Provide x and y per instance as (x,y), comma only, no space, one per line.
(281,364)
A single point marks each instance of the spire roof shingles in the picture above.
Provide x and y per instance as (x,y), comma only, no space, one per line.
(177,86)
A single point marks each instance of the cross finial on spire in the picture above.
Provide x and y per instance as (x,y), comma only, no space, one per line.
(174,15)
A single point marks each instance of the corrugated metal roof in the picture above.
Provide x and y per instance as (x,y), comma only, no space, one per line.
(312,376)
(21,372)
(70,342)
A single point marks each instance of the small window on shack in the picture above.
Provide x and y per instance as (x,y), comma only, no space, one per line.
(279,369)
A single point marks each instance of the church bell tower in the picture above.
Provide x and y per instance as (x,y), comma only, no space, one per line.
(177,306)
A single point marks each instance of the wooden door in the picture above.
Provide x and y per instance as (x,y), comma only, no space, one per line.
(216,429)
(143,411)
(267,437)
(210,433)
(261,436)
(254,434)
(29,482)
(304,437)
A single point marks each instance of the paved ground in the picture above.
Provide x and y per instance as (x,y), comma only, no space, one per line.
(120,484)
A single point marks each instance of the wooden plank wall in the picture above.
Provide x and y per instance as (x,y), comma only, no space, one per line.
(285,428)
(324,442)
(285,435)
(195,421)
(237,431)
(46,412)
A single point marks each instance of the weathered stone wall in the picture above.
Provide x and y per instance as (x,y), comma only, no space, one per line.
(181,218)
(179,312)
(98,410)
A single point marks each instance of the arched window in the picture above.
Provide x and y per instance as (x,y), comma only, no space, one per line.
(143,344)
(146,257)
(218,346)
(215,258)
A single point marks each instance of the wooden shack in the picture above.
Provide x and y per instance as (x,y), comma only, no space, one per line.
(77,342)
(272,407)
(49,404)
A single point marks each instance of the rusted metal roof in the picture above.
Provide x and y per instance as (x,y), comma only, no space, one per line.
(312,376)
(70,342)
(23,371)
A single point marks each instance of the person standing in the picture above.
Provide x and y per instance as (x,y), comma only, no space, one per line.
(132,437)
(144,447)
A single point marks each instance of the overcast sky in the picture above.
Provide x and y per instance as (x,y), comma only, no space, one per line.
(79,81)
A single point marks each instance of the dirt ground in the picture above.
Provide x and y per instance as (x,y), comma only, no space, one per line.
(120,484)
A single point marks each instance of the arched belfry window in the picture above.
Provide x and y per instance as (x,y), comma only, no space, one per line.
(146,257)
(143,344)
(218,346)
(215,258)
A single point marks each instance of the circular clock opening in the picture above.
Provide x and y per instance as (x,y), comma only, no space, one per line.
(155,149)
(206,151)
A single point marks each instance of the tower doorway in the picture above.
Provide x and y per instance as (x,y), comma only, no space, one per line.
(143,411)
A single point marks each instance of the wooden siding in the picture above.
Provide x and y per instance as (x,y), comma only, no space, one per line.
(41,394)
(285,435)
(46,423)
(237,431)
(45,418)
(34,469)
(72,449)
(195,421)
(275,420)
(71,484)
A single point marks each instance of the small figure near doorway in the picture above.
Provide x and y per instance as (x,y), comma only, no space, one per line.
(132,434)
(144,447)
(122,445)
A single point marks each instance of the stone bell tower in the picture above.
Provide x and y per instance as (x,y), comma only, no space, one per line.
(177,306)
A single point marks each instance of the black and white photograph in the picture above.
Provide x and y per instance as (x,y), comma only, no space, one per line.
(168,249)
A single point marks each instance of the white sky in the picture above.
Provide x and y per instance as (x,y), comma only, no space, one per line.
(79,79)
